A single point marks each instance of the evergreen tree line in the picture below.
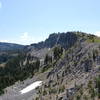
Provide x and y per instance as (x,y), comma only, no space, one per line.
(14,70)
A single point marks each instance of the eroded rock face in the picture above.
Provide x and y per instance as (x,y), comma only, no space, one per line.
(88,65)
(77,61)
(66,40)
(98,60)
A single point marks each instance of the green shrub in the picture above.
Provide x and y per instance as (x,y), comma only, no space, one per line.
(85,97)
(78,97)
(61,89)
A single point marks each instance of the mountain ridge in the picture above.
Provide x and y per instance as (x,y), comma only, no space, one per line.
(59,60)
(8,46)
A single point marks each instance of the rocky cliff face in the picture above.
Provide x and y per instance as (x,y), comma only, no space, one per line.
(66,40)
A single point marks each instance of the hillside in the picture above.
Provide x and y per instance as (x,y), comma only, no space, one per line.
(9,46)
(67,63)
(8,51)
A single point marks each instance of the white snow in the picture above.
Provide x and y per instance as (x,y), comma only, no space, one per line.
(31,87)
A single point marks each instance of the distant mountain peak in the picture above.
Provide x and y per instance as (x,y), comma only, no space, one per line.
(64,39)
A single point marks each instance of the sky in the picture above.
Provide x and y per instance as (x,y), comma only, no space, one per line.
(31,21)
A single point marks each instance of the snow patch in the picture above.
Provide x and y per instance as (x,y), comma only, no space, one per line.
(31,87)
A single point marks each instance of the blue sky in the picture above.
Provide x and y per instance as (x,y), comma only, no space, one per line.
(29,21)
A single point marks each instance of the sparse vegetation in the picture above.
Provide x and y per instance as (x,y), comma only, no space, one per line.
(48,59)
(61,88)
(58,51)
(98,86)
(93,39)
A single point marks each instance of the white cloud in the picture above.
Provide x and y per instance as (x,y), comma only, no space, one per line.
(4,41)
(97,33)
(0,5)
(26,38)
